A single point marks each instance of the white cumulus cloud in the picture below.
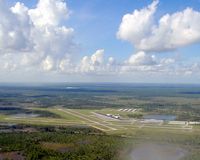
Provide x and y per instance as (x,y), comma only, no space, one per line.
(141,58)
(93,63)
(36,35)
(14,28)
(49,12)
(137,25)
(170,32)
(37,40)
(97,64)
(48,63)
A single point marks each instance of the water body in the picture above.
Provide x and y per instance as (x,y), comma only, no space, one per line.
(22,115)
(153,151)
(160,117)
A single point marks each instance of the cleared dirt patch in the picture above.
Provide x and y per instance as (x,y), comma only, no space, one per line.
(62,148)
(12,156)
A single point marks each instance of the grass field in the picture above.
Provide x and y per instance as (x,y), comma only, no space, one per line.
(134,130)
(98,119)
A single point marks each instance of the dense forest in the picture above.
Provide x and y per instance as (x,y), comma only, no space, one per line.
(61,143)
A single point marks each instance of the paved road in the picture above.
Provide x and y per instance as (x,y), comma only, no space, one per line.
(81,116)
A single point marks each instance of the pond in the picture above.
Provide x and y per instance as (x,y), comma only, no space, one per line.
(23,115)
(160,117)
(154,151)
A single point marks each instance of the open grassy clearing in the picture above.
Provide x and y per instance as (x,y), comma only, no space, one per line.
(37,121)
(133,131)
(98,119)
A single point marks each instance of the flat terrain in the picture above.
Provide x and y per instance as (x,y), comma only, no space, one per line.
(99,120)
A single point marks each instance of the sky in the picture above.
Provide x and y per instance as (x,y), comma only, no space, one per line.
(145,41)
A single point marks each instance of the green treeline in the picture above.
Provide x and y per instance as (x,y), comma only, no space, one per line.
(76,145)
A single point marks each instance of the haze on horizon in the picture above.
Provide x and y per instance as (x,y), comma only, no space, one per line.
(147,41)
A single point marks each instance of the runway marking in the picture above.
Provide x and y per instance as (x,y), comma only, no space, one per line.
(79,115)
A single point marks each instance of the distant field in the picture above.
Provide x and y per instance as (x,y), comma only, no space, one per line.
(97,119)
(45,115)
(132,133)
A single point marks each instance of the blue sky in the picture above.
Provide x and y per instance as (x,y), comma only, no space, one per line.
(100,16)
(89,17)
(96,24)
(104,17)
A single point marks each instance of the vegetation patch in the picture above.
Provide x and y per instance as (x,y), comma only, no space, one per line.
(59,147)
(63,144)
(12,156)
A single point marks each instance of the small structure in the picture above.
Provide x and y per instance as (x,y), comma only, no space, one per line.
(113,116)
(116,116)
